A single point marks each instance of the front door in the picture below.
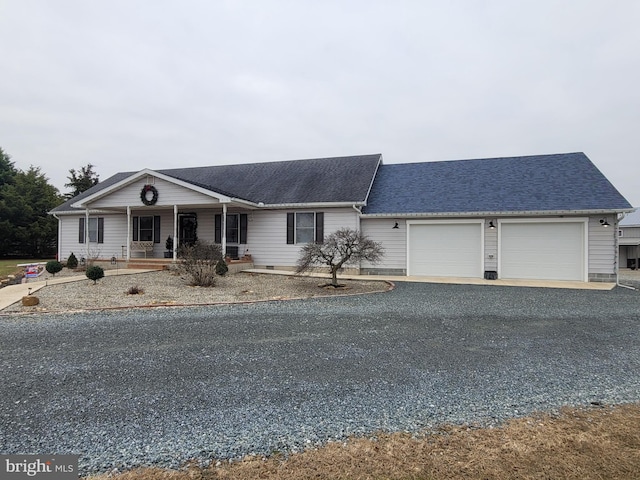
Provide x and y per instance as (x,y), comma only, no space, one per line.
(188,229)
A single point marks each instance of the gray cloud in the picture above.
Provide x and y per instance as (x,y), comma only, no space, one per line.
(126,85)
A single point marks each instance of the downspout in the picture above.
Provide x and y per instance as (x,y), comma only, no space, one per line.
(358,213)
(617,250)
(175,233)
(86,232)
(59,249)
(223,227)
(128,233)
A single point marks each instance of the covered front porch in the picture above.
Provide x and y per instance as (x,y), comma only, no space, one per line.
(149,215)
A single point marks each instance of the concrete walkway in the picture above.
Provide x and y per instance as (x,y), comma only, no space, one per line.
(458,280)
(14,293)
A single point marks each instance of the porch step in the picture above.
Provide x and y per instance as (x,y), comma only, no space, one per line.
(148,265)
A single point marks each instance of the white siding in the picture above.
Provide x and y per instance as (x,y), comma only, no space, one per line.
(491,246)
(602,250)
(630,232)
(394,241)
(168,194)
(267,234)
(115,236)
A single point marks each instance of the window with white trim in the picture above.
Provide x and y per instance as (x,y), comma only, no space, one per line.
(95,230)
(146,228)
(305,227)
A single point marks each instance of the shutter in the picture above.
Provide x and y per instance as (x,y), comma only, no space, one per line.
(81,236)
(243,228)
(100,229)
(135,229)
(319,227)
(291,228)
(156,229)
(218,229)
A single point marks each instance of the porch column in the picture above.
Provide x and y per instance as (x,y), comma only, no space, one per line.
(224,229)
(128,233)
(86,231)
(175,232)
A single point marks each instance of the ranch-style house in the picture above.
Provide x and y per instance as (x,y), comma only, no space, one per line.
(534,217)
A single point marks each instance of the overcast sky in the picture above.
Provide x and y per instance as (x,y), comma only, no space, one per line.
(133,84)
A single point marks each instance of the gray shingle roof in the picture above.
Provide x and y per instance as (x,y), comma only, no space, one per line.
(318,180)
(562,182)
(338,179)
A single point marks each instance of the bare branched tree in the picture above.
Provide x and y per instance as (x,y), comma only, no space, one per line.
(342,247)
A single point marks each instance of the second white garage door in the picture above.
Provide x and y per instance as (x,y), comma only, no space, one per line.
(539,250)
(445,249)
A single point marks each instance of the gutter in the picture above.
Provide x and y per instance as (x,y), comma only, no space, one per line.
(512,213)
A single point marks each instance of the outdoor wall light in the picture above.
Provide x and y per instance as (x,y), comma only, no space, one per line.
(604,222)
(396,225)
(491,225)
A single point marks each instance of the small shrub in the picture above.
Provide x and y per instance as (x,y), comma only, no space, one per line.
(221,268)
(95,273)
(135,290)
(199,263)
(72,261)
(53,267)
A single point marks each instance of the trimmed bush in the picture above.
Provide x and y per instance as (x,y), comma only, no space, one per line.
(72,261)
(199,262)
(53,267)
(95,273)
(221,268)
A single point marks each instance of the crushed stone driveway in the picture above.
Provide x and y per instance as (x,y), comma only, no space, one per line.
(162,386)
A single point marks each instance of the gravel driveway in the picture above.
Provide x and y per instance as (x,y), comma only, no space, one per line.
(162,386)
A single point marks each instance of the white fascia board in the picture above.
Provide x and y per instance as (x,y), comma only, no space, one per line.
(493,214)
(81,212)
(142,173)
(272,206)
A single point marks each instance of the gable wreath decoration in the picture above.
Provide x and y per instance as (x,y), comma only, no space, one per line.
(145,199)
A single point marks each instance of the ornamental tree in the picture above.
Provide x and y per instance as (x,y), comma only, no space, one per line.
(95,273)
(342,247)
(53,267)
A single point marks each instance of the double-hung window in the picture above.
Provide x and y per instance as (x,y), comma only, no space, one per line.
(95,230)
(236,231)
(146,228)
(305,227)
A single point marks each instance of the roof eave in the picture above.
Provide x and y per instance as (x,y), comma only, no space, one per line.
(512,213)
(273,206)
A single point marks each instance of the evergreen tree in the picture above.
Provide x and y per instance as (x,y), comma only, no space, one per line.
(26,228)
(81,180)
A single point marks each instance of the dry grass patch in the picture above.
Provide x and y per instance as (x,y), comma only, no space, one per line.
(590,443)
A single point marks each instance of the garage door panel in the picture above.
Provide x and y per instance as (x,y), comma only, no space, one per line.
(553,251)
(445,250)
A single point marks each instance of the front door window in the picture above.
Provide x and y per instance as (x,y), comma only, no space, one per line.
(188,229)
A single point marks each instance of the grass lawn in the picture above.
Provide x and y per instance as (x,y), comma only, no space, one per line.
(600,442)
(8,267)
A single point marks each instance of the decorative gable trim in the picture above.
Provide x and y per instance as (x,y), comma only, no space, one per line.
(85,202)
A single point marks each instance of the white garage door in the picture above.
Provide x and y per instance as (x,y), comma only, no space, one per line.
(445,249)
(551,251)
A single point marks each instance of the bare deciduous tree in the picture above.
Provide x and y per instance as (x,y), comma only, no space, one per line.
(342,247)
